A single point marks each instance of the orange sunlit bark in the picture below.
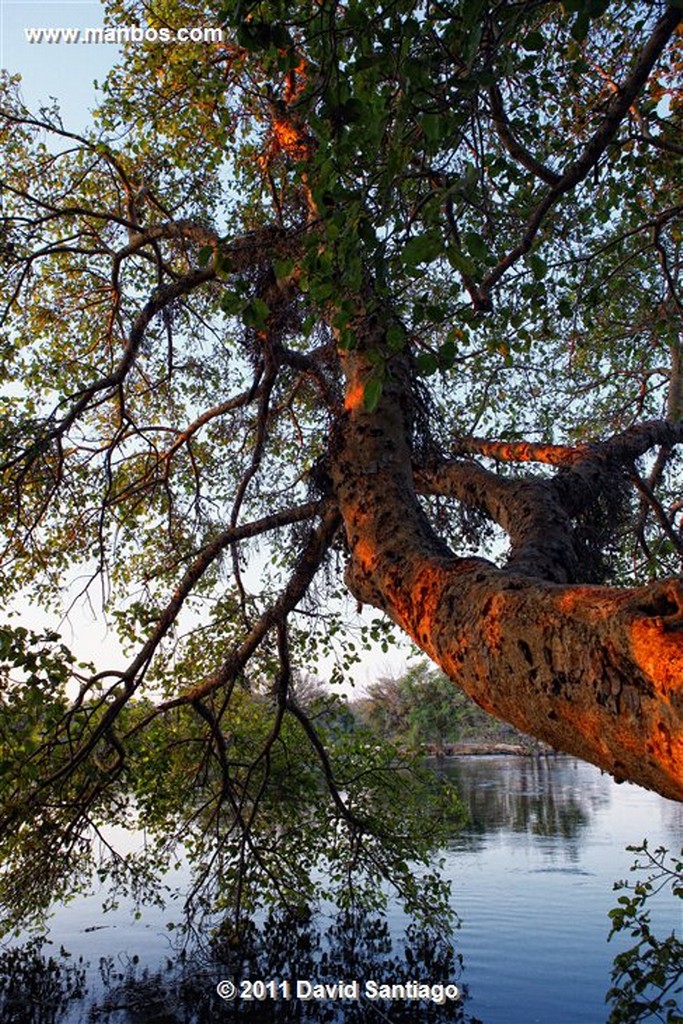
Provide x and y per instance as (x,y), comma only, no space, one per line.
(526,451)
(296,81)
(594,671)
(658,649)
(353,399)
(291,138)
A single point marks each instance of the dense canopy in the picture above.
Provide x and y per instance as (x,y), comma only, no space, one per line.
(291,320)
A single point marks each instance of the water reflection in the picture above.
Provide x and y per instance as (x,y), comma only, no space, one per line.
(532,879)
(41,987)
(535,795)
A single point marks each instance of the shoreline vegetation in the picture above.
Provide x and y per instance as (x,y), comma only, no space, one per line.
(423,710)
(488,748)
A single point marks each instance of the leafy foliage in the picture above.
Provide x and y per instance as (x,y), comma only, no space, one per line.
(477,201)
(282,833)
(647,977)
(422,708)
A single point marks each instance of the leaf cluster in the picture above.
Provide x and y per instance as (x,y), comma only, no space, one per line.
(647,977)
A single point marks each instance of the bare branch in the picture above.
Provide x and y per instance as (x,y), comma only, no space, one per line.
(519,451)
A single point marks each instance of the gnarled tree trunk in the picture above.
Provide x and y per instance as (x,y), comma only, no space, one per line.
(592,670)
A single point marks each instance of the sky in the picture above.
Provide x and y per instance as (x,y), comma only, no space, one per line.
(67,72)
(63,70)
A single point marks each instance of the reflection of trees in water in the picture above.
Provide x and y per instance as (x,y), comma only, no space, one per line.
(38,986)
(44,989)
(532,795)
(672,817)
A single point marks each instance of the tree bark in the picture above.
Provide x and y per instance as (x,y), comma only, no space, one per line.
(594,671)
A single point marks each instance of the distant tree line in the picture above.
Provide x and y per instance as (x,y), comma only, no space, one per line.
(423,707)
(419,708)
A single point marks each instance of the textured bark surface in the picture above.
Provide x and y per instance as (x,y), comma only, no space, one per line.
(594,671)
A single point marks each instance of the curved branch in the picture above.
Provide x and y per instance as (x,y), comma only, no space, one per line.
(215,412)
(649,498)
(577,484)
(624,447)
(542,542)
(306,568)
(519,451)
(658,143)
(514,147)
(594,671)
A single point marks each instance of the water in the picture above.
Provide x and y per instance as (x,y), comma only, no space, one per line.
(532,880)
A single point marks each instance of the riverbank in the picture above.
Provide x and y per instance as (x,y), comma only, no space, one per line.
(483,748)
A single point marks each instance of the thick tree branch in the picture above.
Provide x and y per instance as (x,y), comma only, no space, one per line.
(594,671)
(519,451)
(577,484)
(542,542)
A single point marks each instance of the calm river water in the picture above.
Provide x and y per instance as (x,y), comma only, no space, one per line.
(532,880)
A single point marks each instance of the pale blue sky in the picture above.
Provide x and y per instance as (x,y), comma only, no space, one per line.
(65,71)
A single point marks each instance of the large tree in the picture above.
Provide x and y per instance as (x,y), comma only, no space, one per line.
(301,305)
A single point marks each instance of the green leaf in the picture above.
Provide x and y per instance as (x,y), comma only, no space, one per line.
(283,268)
(426,363)
(460,262)
(423,248)
(232,303)
(533,42)
(538,266)
(204,255)
(224,264)
(353,111)
(579,29)
(375,357)
(255,314)
(321,290)
(447,353)
(477,245)
(254,35)
(280,37)
(372,392)
(347,339)
(471,11)
(396,337)
(431,126)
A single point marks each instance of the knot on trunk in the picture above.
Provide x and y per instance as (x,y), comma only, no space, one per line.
(360,582)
